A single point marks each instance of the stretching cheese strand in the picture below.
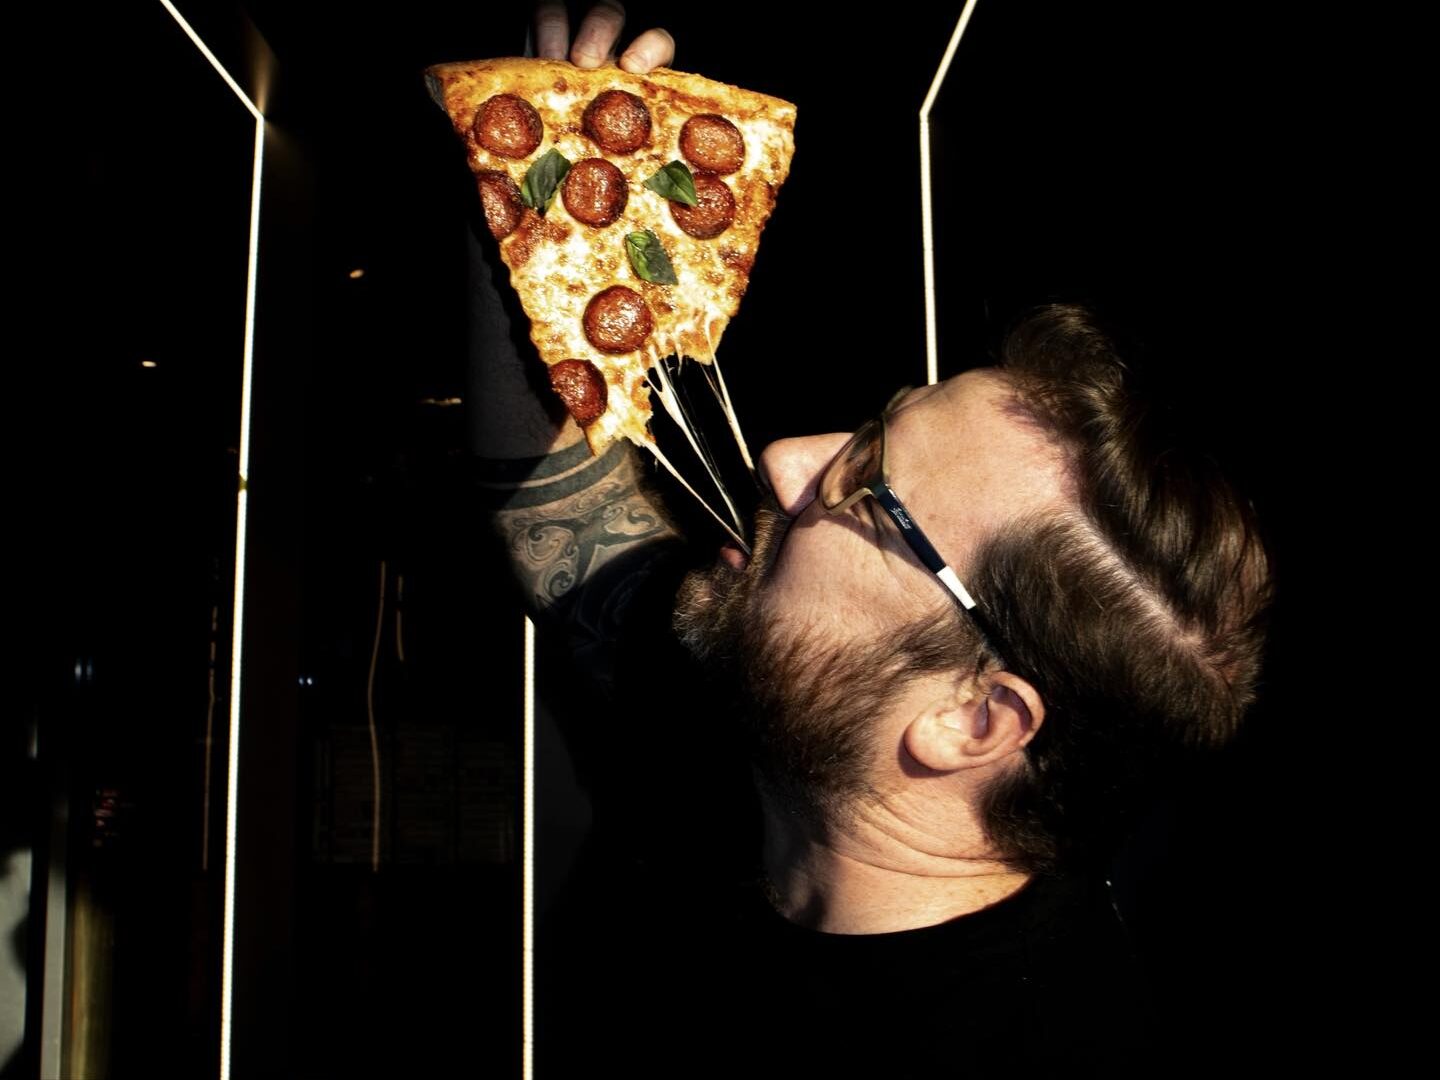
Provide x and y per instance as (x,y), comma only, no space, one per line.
(666,392)
(649,444)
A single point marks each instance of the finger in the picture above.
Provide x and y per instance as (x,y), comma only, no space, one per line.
(597,35)
(552,30)
(652,49)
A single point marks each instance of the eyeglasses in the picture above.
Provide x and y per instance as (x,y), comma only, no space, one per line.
(858,470)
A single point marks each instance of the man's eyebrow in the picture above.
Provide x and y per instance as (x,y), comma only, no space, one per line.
(911,395)
(898,401)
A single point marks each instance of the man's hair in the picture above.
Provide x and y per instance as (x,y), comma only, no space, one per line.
(1138,616)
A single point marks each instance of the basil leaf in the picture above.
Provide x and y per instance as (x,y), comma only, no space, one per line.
(648,258)
(674,182)
(542,180)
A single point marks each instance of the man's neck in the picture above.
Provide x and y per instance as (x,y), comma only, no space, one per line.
(873,876)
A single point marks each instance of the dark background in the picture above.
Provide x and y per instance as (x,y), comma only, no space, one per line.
(1187,169)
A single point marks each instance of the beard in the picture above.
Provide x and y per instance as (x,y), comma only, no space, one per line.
(809,708)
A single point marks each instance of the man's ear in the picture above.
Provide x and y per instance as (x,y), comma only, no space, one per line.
(985,721)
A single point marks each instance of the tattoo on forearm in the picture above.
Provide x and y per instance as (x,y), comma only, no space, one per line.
(565,516)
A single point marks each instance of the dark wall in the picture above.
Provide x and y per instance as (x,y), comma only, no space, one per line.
(1185,169)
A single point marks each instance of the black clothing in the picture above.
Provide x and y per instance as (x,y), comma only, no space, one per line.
(1045,979)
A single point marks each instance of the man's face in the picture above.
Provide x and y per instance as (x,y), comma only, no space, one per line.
(814,634)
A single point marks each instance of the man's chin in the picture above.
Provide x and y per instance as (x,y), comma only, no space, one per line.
(703,608)
(717,606)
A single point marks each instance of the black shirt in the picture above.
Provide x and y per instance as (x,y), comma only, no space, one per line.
(1044,979)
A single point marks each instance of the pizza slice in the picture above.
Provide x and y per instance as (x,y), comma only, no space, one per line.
(628,209)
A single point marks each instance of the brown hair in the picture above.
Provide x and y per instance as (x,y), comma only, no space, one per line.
(1139,616)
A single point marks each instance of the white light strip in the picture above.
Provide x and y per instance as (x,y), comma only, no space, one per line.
(232,791)
(527,872)
(927,219)
(205,51)
(241,517)
(527,827)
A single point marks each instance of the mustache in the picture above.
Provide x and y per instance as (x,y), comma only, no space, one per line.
(714,603)
(771,526)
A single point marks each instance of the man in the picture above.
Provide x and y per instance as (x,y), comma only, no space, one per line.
(920,761)
(968,638)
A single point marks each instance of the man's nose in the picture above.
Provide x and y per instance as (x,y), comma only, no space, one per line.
(793,468)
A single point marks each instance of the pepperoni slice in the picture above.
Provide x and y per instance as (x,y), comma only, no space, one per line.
(595,191)
(581,387)
(713,215)
(617,121)
(509,126)
(617,320)
(712,143)
(500,199)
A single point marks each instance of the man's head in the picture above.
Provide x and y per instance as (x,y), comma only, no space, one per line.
(1124,582)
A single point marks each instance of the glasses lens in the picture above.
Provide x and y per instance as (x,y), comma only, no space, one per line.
(855,468)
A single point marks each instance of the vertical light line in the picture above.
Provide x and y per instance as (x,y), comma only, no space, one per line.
(527,868)
(927,218)
(374,733)
(527,827)
(232,792)
(241,510)
(399,609)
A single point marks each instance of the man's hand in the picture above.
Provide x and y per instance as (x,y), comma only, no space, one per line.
(594,42)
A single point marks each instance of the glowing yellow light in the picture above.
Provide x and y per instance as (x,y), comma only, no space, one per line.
(241,513)
(927,217)
(237,626)
(356,274)
(148,363)
(215,63)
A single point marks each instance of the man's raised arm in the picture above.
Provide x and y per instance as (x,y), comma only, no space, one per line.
(580,532)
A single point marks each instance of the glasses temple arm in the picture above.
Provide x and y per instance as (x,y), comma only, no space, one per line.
(920,544)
